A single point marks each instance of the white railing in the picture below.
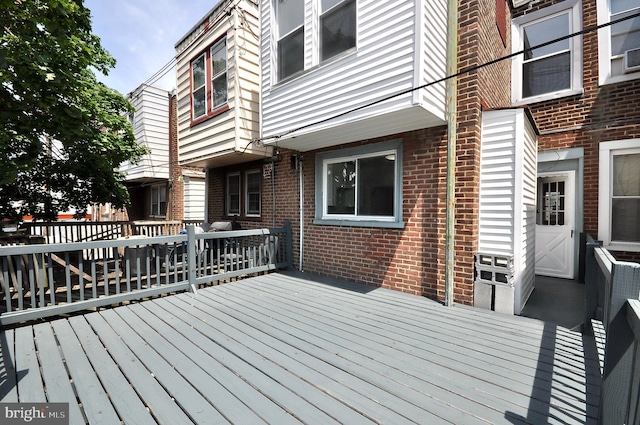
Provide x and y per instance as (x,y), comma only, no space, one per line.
(612,298)
(44,280)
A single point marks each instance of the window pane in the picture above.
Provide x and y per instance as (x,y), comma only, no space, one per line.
(291,54)
(544,31)
(233,194)
(338,30)
(626,175)
(618,6)
(220,90)
(253,193)
(219,58)
(625,35)
(198,73)
(290,15)
(376,178)
(199,102)
(341,188)
(625,220)
(546,75)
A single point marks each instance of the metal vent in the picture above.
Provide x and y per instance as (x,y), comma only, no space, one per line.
(632,60)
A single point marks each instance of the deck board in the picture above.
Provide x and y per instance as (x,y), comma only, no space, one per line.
(290,349)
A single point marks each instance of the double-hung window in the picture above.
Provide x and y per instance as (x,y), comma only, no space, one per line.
(619,195)
(290,18)
(233,194)
(244,193)
(554,69)
(209,81)
(619,43)
(337,27)
(360,186)
(159,201)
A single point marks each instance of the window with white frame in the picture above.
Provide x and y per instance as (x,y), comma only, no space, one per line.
(209,81)
(337,27)
(359,185)
(290,19)
(619,195)
(619,43)
(159,201)
(555,69)
(253,194)
(233,194)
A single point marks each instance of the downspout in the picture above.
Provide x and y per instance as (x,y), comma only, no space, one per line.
(451,88)
(301,174)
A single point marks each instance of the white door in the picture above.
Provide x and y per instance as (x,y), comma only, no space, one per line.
(555,225)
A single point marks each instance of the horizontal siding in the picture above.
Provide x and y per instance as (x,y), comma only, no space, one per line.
(497,179)
(194,198)
(151,129)
(231,130)
(434,54)
(383,65)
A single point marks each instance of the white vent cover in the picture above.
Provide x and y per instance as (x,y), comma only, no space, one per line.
(632,60)
(518,3)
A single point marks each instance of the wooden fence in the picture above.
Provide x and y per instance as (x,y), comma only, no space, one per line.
(44,280)
(612,300)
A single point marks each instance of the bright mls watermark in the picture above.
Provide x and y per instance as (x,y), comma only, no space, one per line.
(34,413)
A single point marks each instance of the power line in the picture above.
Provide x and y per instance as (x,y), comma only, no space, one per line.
(464,71)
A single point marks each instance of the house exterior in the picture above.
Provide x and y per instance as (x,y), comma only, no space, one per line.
(159,188)
(217,111)
(583,94)
(348,91)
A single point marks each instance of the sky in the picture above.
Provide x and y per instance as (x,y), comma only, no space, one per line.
(141,35)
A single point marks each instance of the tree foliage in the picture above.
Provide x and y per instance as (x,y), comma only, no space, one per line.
(63,134)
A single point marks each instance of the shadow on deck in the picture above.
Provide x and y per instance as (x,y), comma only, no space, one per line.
(287,348)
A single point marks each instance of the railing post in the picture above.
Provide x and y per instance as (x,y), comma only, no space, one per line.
(619,348)
(191,257)
(289,244)
(591,288)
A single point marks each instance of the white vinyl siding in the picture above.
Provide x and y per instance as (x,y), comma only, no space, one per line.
(194,198)
(151,129)
(228,132)
(387,61)
(507,194)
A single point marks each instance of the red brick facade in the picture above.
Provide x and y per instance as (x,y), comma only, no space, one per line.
(602,113)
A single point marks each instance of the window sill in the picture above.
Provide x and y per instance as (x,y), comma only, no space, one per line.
(220,110)
(623,247)
(620,78)
(546,97)
(359,223)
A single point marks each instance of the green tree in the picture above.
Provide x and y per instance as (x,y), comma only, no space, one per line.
(63,134)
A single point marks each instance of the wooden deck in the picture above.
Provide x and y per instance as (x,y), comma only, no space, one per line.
(289,349)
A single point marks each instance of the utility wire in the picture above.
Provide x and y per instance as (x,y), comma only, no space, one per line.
(464,71)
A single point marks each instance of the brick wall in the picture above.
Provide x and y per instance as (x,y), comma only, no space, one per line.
(600,113)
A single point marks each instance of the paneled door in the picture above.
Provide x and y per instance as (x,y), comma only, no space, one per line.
(555,225)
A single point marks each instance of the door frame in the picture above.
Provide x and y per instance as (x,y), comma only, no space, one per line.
(556,161)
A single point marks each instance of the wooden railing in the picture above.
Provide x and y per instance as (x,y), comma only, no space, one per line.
(44,280)
(612,299)
(82,231)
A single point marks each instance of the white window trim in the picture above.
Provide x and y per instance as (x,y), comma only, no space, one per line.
(607,149)
(350,154)
(604,49)
(574,8)
(246,194)
(227,193)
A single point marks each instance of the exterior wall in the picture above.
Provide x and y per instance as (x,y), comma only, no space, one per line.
(400,45)
(601,113)
(151,129)
(194,198)
(231,129)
